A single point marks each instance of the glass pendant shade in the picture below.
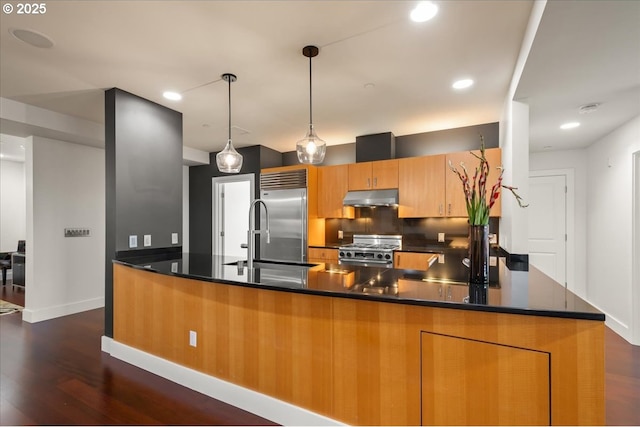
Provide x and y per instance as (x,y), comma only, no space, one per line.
(229,160)
(311,149)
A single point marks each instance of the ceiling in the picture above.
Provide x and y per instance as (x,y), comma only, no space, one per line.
(377,71)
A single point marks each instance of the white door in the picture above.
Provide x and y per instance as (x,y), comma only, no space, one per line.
(547,225)
(232,197)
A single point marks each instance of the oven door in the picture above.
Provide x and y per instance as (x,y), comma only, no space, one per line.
(365,262)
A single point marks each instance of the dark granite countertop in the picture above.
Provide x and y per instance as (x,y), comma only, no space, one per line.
(516,292)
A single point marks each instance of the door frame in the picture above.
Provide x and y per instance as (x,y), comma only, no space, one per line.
(570,248)
(217,217)
(635,252)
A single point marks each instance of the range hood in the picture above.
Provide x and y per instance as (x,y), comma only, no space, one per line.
(371,198)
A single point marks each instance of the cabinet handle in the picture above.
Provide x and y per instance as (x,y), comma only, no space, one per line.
(440,209)
(375,182)
(398,260)
(449,208)
(368,182)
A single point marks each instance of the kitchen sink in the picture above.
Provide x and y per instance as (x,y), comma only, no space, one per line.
(274,265)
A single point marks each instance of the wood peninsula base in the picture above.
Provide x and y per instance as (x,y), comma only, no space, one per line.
(369,362)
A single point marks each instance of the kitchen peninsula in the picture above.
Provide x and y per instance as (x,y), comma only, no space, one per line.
(372,346)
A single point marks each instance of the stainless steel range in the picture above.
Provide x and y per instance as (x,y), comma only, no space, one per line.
(370,250)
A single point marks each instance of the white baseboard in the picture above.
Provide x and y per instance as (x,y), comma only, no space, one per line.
(257,403)
(41,314)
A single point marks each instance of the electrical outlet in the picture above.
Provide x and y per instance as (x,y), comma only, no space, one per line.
(340,234)
(440,258)
(440,237)
(174,238)
(147,239)
(493,261)
(133,241)
(193,338)
(493,239)
(174,267)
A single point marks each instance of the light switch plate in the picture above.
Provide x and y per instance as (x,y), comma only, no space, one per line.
(340,234)
(174,267)
(440,237)
(174,238)
(193,338)
(133,241)
(147,239)
(493,261)
(440,258)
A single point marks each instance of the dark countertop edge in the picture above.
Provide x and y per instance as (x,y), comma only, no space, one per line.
(424,303)
(328,246)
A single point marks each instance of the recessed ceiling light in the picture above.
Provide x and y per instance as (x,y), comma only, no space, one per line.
(32,38)
(174,96)
(569,125)
(424,11)
(462,84)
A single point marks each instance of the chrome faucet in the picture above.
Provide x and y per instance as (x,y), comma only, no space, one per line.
(251,251)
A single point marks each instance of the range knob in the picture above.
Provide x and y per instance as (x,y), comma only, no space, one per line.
(387,256)
(348,254)
(379,256)
(341,253)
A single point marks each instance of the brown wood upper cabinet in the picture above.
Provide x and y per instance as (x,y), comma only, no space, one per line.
(373,175)
(421,187)
(333,184)
(455,200)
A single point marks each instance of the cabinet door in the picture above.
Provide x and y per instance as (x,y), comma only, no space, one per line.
(333,184)
(421,187)
(323,255)
(384,174)
(360,176)
(412,260)
(470,382)
(456,205)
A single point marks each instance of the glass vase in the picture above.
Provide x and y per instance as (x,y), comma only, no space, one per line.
(478,263)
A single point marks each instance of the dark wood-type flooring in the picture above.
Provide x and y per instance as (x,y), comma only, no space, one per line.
(53,372)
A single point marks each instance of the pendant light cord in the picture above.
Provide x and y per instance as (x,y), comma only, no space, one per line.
(310,98)
(229,80)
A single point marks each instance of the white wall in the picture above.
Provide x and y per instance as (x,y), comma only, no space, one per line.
(575,160)
(609,225)
(13,205)
(65,188)
(514,141)
(184,239)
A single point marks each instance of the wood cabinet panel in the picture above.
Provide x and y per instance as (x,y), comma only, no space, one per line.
(322,255)
(360,176)
(455,199)
(378,175)
(360,361)
(333,184)
(413,260)
(421,186)
(467,382)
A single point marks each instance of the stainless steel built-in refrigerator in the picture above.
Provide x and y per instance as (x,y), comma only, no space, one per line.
(285,194)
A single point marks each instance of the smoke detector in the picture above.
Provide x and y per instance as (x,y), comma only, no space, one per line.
(588,108)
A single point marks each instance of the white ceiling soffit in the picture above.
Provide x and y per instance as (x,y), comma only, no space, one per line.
(584,52)
(377,71)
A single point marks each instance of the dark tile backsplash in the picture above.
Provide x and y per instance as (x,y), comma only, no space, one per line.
(418,232)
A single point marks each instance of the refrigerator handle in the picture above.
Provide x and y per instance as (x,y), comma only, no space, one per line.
(304,228)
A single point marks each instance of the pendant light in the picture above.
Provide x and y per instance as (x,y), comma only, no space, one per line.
(229,160)
(310,149)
